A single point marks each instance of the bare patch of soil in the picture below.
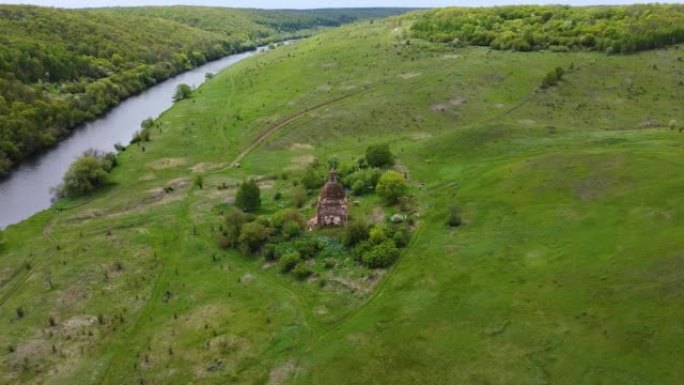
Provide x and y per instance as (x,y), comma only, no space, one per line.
(280,374)
(301,146)
(299,162)
(457,101)
(204,167)
(163,163)
(409,75)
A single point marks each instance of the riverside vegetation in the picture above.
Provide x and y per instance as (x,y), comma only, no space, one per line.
(60,68)
(545,245)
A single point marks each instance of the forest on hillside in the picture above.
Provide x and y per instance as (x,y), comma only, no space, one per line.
(609,29)
(60,68)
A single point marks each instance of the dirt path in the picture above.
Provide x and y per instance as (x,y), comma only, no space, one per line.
(273,129)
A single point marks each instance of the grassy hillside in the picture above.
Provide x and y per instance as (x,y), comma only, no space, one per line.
(59,68)
(567,269)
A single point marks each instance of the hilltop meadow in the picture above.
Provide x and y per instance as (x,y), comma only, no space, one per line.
(567,266)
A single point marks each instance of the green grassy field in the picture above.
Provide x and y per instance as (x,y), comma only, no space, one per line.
(568,269)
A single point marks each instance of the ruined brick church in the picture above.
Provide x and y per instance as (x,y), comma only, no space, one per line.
(331,209)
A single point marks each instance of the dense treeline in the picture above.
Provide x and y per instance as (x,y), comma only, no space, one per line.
(59,68)
(623,29)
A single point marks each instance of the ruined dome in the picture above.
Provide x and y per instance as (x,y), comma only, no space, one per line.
(332,189)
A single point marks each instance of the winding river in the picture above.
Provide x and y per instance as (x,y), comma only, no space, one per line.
(27,190)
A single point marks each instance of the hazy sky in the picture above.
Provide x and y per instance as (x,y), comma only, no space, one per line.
(314,3)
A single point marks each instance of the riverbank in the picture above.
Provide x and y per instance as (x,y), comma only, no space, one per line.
(27,190)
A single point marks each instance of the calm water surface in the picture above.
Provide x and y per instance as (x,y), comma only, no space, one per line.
(27,190)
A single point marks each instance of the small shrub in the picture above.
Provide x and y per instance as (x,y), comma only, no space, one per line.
(198,181)
(299,196)
(401,237)
(307,247)
(301,271)
(454,217)
(270,253)
(377,235)
(119,147)
(355,233)
(288,261)
(277,196)
(208,76)
(291,229)
(333,163)
(253,236)
(329,263)
(20,312)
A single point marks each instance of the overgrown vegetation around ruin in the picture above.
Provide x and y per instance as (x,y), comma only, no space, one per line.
(610,29)
(287,239)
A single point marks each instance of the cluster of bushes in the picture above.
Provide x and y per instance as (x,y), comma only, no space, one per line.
(551,79)
(86,173)
(376,247)
(621,29)
(283,239)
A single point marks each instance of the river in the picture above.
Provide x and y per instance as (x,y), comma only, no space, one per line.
(27,190)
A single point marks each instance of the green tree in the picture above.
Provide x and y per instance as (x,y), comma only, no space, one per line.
(381,255)
(84,175)
(379,156)
(183,91)
(248,196)
(392,186)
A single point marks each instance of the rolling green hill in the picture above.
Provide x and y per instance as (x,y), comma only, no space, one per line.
(567,268)
(59,68)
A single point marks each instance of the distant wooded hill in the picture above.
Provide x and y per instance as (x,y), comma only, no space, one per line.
(624,29)
(59,68)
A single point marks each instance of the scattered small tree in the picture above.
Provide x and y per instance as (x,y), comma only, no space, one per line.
(379,156)
(454,217)
(392,186)
(248,196)
(199,181)
(551,79)
(183,91)
(147,123)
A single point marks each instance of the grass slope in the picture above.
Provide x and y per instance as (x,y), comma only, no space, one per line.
(567,270)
